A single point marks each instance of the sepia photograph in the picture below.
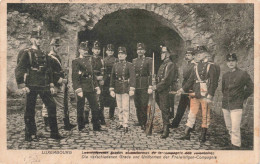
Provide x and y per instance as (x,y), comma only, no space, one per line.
(143,79)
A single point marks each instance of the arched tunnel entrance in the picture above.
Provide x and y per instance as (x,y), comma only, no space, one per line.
(127,27)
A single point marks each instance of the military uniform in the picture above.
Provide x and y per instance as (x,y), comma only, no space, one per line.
(143,73)
(165,78)
(60,98)
(204,81)
(237,86)
(122,81)
(97,65)
(84,80)
(184,100)
(39,79)
(109,61)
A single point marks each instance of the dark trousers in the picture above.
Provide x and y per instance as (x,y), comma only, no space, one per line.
(162,100)
(184,102)
(141,99)
(92,99)
(100,100)
(109,101)
(29,115)
(171,105)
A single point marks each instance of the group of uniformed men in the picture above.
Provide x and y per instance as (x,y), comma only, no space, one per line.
(111,81)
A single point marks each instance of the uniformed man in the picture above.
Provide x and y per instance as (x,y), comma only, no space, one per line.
(86,86)
(165,78)
(122,85)
(184,100)
(109,61)
(98,65)
(34,76)
(237,86)
(203,79)
(59,84)
(143,74)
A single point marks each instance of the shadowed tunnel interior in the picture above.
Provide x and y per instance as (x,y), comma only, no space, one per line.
(127,27)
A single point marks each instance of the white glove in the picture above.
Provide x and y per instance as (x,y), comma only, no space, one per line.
(101,82)
(64,81)
(24,91)
(131,93)
(112,94)
(98,91)
(80,94)
(180,91)
(99,78)
(150,90)
(52,90)
(60,80)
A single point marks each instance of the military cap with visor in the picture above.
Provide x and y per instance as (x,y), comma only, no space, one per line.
(122,50)
(84,46)
(140,46)
(110,47)
(201,49)
(231,57)
(96,45)
(190,51)
(164,49)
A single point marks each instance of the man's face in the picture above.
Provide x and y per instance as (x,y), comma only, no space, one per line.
(232,64)
(110,52)
(189,57)
(96,51)
(121,56)
(164,55)
(83,52)
(200,56)
(140,52)
(36,41)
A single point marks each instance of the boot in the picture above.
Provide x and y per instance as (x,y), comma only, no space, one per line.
(56,136)
(86,117)
(125,129)
(46,122)
(203,134)
(67,124)
(165,131)
(186,136)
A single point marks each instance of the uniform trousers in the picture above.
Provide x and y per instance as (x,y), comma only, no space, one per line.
(29,116)
(91,97)
(162,99)
(183,104)
(141,99)
(109,101)
(60,103)
(233,120)
(123,108)
(194,108)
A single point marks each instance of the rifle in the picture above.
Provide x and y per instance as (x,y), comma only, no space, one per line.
(66,75)
(149,123)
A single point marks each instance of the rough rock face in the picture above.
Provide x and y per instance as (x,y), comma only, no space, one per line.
(86,16)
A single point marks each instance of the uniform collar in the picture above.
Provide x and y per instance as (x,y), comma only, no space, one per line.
(167,60)
(140,57)
(124,61)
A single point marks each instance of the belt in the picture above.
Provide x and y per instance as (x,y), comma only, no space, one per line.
(198,81)
(138,75)
(87,76)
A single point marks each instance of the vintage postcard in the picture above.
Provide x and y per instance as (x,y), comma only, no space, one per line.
(129,82)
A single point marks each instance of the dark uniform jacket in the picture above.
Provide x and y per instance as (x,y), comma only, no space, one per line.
(122,77)
(209,76)
(166,76)
(36,64)
(109,61)
(236,87)
(187,70)
(143,72)
(97,65)
(56,67)
(83,78)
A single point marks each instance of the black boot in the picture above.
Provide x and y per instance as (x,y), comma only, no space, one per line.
(46,122)
(186,136)
(56,136)
(203,134)
(165,131)
(86,117)
(28,135)
(67,124)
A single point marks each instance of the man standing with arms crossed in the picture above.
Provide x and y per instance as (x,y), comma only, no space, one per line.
(143,71)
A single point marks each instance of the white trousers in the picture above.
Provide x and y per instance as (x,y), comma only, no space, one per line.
(233,121)
(123,108)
